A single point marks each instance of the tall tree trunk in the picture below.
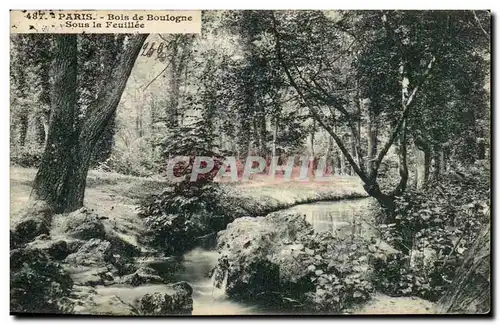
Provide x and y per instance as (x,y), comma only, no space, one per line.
(23,126)
(172,108)
(40,131)
(442,161)
(61,177)
(60,161)
(436,158)
(104,146)
(342,164)
(346,166)
(45,117)
(419,167)
(403,164)
(372,139)
(427,166)
(424,146)
(328,154)
(275,135)
(311,140)
(263,131)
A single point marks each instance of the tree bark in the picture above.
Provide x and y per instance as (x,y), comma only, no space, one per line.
(52,181)
(172,108)
(372,130)
(61,177)
(424,147)
(40,131)
(436,157)
(470,291)
(275,135)
(23,127)
(403,164)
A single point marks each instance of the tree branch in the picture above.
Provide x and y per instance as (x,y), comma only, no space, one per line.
(313,110)
(480,25)
(109,97)
(399,124)
(403,165)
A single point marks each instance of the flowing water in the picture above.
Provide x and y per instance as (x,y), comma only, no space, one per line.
(344,216)
(207,299)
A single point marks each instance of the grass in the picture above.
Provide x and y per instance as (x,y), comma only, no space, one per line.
(117,196)
(112,195)
(257,195)
(260,198)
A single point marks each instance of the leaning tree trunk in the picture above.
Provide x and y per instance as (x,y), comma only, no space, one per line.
(61,177)
(470,291)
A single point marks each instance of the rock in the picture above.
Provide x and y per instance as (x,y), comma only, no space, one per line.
(57,249)
(37,284)
(34,220)
(42,237)
(88,302)
(257,253)
(142,276)
(121,246)
(95,252)
(124,254)
(92,276)
(88,278)
(158,304)
(82,224)
(74,244)
(124,265)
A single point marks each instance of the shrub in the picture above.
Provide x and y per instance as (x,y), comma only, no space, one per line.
(28,156)
(37,284)
(433,228)
(321,272)
(177,217)
(136,159)
(339,270)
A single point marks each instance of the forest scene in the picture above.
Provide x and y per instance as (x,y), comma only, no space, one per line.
(280,162)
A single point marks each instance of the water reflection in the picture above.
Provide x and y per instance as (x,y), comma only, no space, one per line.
(344,217)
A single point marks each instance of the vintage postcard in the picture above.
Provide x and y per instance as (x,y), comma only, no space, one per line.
(242,162)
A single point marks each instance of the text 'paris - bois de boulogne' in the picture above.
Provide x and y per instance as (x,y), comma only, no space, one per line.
(118,20)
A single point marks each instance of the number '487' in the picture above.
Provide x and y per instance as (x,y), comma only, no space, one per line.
(35,15)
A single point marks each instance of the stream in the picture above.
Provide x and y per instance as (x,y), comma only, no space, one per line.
(195,266)
(341,216)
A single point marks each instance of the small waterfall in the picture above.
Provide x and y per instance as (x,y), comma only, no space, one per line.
(342,217)
(219,293)
(198,263)
(207,298)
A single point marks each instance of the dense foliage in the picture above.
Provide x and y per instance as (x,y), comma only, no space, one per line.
(433,229)
(279,260)
(339,270)
(37,284)
(177,218)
